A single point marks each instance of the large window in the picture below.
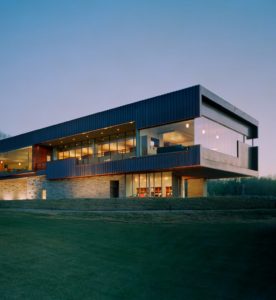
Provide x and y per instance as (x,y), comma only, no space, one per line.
(16,161)
(216,137)
(149,185)
(104,148)
(180,134)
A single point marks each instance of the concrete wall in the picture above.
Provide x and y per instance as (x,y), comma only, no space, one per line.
(220,161)
(33,187)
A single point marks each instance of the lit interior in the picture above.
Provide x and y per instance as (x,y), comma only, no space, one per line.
(17,160)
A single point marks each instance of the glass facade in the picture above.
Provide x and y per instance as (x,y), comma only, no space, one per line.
(179,135)
(216,137)
(158,184)
(16,161)
(103,148)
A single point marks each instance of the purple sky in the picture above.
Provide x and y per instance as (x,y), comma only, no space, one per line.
(65,59)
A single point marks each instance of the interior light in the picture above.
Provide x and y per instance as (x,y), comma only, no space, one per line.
(101,132)
(118,129)
(131,122)
(73,139)
(50,144)
(203,131)
(19,163)
(87,136)
(187,125)
(217,137)
(1,162)
(61,142)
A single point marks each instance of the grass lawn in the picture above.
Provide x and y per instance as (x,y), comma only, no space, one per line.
(136,256)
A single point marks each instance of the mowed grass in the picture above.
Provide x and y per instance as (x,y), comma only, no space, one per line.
(136,256)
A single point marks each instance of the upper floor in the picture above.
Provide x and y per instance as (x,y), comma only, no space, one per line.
(174,122)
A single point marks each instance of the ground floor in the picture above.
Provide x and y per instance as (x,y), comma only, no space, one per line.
(155,184)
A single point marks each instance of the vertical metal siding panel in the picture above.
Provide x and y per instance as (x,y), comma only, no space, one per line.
(69,167)
(159,110)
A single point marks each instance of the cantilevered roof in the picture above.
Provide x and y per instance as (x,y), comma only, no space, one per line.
(167,108)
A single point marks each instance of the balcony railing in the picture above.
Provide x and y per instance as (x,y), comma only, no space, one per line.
(105,157)
(73,167)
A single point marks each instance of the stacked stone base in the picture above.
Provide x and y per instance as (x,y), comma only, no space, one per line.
(38,187)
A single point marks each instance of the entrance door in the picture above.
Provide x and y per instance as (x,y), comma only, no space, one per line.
(114,188)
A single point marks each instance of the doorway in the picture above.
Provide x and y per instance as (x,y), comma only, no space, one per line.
(114,188)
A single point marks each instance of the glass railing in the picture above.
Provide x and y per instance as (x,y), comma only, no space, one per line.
(106,156)
(172,148)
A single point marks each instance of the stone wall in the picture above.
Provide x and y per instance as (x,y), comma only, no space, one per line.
(34,187)
(86,187)
(21,188)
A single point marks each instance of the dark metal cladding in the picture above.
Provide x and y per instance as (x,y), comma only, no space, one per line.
(171,107)
(69,168)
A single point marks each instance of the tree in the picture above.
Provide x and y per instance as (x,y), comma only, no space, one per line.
(3,135)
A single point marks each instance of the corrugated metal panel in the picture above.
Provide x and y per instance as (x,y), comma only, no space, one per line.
(69,167)
(171,107)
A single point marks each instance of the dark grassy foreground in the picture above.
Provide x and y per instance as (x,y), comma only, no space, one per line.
(140,204)
(150,255)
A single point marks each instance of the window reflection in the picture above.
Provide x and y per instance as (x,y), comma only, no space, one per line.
(216,137)
(167,137)
(16,160)
(104,148)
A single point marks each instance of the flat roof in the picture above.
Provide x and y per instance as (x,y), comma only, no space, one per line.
(166,108)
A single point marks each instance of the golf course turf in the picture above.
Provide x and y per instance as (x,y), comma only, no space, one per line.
(124,255)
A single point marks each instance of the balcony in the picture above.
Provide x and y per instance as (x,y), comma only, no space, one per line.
(72,167)
(106,156)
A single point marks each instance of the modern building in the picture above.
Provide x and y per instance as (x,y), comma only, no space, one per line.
(164,146)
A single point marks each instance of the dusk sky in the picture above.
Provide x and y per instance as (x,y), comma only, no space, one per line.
(61,60)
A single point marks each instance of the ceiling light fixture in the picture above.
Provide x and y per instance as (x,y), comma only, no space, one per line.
(203,131)
(187,125)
